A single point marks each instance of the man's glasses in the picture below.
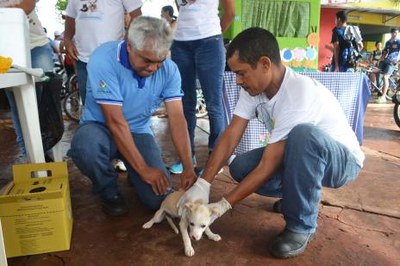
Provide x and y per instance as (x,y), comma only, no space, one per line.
(263,116)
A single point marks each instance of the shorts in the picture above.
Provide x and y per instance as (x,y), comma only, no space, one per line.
(387,67)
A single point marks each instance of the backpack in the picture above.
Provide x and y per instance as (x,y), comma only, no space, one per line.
(350,39)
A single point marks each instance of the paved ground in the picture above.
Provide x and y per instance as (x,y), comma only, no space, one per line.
(358,224)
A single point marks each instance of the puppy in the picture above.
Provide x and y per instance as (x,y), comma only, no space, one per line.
(196,215)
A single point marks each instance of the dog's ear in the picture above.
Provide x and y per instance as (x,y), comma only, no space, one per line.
(189,205)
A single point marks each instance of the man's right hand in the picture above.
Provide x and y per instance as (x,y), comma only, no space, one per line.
(199,190)
(71,49)
(157,180)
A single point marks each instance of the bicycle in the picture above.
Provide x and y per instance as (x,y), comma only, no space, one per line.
(72,103)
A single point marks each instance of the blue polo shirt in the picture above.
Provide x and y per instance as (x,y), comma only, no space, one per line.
(112,80)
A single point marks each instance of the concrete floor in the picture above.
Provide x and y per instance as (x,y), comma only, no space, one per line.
(358,224)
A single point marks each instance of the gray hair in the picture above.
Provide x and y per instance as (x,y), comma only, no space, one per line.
(151,33)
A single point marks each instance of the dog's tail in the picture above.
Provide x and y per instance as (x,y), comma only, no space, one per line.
(171,223)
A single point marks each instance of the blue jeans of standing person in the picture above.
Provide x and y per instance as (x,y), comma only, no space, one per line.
(82,79)
(93,149)
(41,57)
(204,59)
(312,159)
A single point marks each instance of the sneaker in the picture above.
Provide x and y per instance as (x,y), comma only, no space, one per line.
(115,206)
(381,99)
(177,168)
(289,244)
(119,166)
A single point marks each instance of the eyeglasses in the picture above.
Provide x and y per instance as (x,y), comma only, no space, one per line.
(263,116)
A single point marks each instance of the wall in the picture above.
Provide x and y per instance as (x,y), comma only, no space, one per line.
(327,23)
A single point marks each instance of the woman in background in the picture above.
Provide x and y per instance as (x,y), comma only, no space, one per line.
(167,13)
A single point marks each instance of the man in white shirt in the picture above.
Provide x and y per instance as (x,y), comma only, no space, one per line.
(310,145)
(90,23)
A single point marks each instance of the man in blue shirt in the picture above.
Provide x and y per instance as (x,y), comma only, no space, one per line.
(388,62)
(127,82)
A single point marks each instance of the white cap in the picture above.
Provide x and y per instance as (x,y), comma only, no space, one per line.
(57,33)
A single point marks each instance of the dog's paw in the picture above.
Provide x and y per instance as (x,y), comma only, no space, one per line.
(215,237)
(148,225)
(189,251)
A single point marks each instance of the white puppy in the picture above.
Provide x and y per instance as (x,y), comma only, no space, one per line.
(196,215)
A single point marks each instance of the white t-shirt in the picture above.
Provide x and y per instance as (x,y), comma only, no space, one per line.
(300,99)
(97,22)
(37,36)
(198,19)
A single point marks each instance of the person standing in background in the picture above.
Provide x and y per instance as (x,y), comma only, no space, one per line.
(90,23)
(167,13)
(198,50)
(41,57)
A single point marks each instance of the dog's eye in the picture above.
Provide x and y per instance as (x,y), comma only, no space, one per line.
(191,224)
(203,226)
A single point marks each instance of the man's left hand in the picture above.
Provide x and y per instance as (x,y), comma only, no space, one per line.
(188,177)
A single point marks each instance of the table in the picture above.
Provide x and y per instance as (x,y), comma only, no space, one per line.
(15,44)
(23,87)
(351,89)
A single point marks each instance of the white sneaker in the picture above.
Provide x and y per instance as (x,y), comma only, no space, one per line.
(119,166)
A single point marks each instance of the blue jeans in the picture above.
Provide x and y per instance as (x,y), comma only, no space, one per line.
(204,59)
(312,159)
(82,79)
(92,150)
(41,57)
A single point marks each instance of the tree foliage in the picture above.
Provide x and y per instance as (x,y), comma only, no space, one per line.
(61,5)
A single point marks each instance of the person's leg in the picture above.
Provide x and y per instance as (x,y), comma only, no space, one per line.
(387,73)
(183,54)
(82,79)
(210,64)
(151,153)
(312,160)
(244,163)
(93,155)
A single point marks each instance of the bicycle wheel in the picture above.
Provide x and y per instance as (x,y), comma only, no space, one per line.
(73,105)
(396,114)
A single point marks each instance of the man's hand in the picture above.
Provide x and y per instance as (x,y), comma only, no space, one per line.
(157,179)
(199,190)
(71,49)
(188,177)
(219,208)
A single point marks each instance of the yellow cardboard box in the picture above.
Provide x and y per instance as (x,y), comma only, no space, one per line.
(35,212)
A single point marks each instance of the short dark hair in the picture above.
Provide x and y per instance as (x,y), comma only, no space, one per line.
(376,43)
(169,10)
(393,30)
(253,43)
(341,15)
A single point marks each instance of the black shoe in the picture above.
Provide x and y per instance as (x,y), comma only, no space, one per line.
(114,206)
(277,207)
(289,244)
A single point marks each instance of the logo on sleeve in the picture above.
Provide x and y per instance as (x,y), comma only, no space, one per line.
(103,87)
(102,84)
